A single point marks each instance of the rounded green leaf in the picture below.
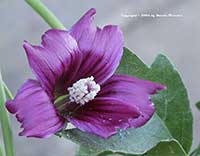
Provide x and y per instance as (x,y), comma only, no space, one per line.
(172,105)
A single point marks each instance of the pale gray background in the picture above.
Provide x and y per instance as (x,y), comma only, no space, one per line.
(176,37)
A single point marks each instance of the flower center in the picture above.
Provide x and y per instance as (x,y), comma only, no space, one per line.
(83,90)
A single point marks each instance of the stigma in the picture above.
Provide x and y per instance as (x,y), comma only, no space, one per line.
(83,91)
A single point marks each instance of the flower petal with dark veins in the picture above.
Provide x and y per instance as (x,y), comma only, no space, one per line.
(55,62)
(35,111)
(133,91)
(104,115)
(102,48)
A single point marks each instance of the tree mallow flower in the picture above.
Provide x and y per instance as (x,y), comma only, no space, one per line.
(76,83)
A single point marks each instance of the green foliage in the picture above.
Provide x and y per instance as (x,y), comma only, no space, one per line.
(136,141)
(5,124)
(171,148)
(196,152)
(172,105)
(7,92)
(198,105)
(1,152)
(168,133)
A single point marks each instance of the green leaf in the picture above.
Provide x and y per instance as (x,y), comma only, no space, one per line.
(137,141)
(1,151)
(7,92)
(132,65)
(5,124)
(172,148)
(173,104)
(196,152)
(198,105)
(172,107)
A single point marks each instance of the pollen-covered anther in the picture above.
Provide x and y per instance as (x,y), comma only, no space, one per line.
(83,90)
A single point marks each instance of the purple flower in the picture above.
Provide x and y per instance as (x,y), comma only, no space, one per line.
(76,83)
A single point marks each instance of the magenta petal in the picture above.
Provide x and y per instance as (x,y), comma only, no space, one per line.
(104,115)
(135,92)
(56,61)
(35,111)
(102,48)
(84,30)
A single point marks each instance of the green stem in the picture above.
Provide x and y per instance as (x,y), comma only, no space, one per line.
(46,14)
(1,152)
(7,91)
(5,123)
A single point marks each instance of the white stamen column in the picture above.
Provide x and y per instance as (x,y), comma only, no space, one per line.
(83,90)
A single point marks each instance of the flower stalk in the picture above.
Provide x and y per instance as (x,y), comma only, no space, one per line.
(7,91)
(46,14)
(1,152)
(5,123)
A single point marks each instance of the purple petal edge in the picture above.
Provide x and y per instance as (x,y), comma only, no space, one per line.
(35,111)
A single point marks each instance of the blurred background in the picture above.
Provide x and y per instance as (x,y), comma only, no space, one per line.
(178,38)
